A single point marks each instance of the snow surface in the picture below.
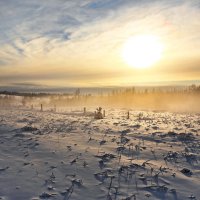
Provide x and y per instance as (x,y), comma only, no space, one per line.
(71,155)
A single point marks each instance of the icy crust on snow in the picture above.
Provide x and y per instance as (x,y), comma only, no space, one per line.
(49,155)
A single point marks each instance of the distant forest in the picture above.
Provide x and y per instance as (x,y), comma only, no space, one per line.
(154,98)
(134,90)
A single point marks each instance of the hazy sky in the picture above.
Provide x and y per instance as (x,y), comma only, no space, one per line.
(79,42)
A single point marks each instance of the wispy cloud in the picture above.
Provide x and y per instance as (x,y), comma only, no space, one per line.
(87,34)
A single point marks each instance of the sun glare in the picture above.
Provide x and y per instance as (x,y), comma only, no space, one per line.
(142,51)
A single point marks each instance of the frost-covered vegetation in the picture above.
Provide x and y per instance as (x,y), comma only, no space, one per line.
(72,155)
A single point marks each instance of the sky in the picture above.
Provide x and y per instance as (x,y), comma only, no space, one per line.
(78,43)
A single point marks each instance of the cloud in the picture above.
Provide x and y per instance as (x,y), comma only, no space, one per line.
(2,62)
(88,34)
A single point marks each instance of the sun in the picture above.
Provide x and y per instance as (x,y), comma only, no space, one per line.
(142,51)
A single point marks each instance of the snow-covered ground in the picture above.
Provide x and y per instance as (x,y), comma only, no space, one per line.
(69,155)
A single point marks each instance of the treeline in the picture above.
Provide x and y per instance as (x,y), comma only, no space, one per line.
(32,94)
(158,98)
(131,90)
(152,90)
